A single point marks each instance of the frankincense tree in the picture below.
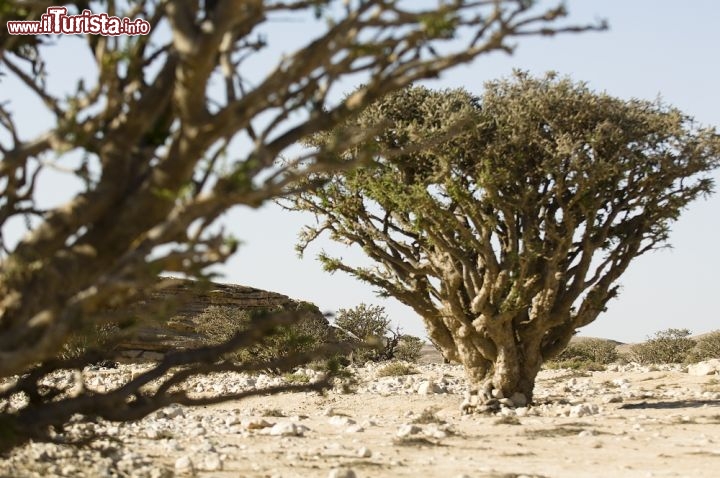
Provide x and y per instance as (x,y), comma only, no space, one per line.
(505,221)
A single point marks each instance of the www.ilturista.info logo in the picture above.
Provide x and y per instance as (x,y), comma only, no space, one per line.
(57,21)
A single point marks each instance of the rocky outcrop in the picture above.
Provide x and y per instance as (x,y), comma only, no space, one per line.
(182,303)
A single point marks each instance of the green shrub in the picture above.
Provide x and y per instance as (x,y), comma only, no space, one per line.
(706,347)
(296,378)
(666,346)
(395,369)
(582,365)
(99,336)
(600,351)
(367,329)
(217,324)
(409,348)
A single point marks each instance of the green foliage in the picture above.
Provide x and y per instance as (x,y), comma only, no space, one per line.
(409,348)
(395,369)
(364,321)
(666,346)
(98,337)
(367,329)
(599,351)
(296,378)
(218,324)
(527,203)
(706,347)
(586,355)
(576,364)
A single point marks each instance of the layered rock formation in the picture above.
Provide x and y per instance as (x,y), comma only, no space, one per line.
(175,327)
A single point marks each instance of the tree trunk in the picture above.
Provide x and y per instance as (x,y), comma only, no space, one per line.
(514,372)
(502,367)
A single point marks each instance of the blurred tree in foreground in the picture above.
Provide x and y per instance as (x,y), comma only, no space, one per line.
(170,131)
(511,234)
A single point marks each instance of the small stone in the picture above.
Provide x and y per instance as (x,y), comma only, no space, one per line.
(286,429)
(184,465)
(707,367)
(174,412)
(428,387)
(173,445)
(407,430)
(212,463)
(342,473)
(256,423)
(612,399)
(340,421)
(364,452)
(497,393)
(354,429)
(507,402)
(435,432)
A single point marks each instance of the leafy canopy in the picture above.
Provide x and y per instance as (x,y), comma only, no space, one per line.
(522,206)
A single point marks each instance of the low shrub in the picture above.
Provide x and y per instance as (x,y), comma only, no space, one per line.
(395,369)
(586,355)
(296,378)
(600,351)
(706,347)
(581,365)
(409,348)
(666,346)
(99,336)
(217,324)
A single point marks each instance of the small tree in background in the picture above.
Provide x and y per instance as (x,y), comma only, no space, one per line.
(666,346)
(505,221)
(409,348)
(368,326)
(706,347)
(587,353)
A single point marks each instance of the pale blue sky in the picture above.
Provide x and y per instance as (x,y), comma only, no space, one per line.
(654,47)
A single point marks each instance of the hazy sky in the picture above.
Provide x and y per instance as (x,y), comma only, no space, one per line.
(654,47)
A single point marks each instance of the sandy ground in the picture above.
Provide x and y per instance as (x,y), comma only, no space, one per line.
(640,422)
(647,438)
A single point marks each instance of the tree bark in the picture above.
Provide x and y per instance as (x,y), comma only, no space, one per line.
(499,367)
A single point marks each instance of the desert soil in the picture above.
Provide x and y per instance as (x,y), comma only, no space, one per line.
(627,421)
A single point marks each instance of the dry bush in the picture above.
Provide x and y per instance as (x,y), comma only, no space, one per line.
(706,347)
(601,351)
(666,346)
(78,344)
(576,364)
(409,348)
(395,369)
(586,354)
